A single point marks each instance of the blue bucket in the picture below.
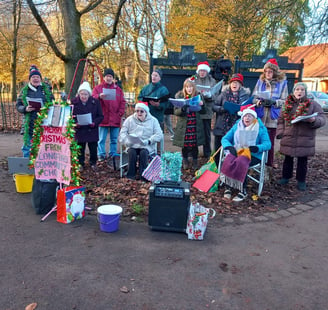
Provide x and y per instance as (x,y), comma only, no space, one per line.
(109,217)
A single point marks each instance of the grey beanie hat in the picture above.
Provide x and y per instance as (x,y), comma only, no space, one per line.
(301,84)
(159,71)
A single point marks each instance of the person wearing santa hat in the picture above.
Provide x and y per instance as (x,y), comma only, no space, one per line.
(40,92)
(140,133)
(270,93)
(245,141)
(204,82)
(227,107)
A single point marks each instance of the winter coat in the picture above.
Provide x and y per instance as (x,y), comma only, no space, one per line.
(262,141)
(157,90)
(298,139)
(203,85)
(148,130)
(113,110)
(225,120)
(32,92)
(180,128)
(87,133)
(279,91)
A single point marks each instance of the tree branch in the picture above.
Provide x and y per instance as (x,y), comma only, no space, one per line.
(45,30)
(90,6)
(111,35)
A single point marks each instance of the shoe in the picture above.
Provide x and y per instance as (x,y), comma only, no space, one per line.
(227,194)
(301,186)
(240,197)
(172,138)
(93,167)
(195,164)
(185,164)
(81,168)
(101,158)
(283,181)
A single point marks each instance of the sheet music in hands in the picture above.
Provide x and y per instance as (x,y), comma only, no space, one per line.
(84,119)
(134,139)
(303,117)
(110,94)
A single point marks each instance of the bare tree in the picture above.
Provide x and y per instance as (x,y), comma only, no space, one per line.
(75,47)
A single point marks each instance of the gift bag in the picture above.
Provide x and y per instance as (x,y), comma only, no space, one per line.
(70,204)
(197,221)
(153,170)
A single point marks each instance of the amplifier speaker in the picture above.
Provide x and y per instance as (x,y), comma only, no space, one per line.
(169,206)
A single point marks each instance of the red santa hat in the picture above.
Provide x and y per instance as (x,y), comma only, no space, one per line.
(272,64)
(142,105)
(247,109)
(203,65)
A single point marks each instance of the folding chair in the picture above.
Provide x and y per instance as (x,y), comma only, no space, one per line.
(255,173)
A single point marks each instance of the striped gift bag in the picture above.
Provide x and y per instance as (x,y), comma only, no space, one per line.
(153,170)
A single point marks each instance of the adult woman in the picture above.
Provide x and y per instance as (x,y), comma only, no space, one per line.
(245,141)
(270,93)
(298,138)
(86,105)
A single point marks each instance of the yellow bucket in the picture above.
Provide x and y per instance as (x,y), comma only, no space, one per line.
(24,182)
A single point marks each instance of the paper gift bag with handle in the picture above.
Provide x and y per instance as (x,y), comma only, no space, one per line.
(70,204)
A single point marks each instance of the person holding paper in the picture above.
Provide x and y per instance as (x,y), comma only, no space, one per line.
(227,107)
(204,82)
(298,139)
(270,93)
(88,115)
(156,94)
(113,103)
(189,132)
(32,97)
(244,142)
(139,133)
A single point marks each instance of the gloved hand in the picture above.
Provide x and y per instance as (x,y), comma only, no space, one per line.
(279,136)
(185,108)
(207,95)
(92,125)
(254,149)
(268,102)
(145,142)
(232,150)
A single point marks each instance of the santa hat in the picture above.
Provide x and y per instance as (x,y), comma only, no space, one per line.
(203,65)
(237,77)
(85,86)
(272,64)
(247,109)
(142,105)
(34,71)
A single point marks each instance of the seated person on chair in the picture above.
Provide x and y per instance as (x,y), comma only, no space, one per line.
(245,141)
(140,132)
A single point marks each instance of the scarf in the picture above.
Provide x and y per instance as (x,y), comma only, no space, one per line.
(246,136)
(289,112)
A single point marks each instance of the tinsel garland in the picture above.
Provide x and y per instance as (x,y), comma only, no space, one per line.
(69,135)
(27,116)
(302,109)
(171,166)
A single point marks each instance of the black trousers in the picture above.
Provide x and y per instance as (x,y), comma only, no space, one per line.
(92,150)
(301,168)
(133,155)
(207,133)
(190,150)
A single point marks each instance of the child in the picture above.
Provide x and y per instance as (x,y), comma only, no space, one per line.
(189,132)
(228,105)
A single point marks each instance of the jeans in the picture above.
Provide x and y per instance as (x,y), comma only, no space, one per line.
(113,132)
(26,148)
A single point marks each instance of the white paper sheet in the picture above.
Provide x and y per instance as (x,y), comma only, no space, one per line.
(84,119)
(134,139)
(110,94)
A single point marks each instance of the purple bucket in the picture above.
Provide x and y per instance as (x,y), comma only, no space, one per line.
(109,217)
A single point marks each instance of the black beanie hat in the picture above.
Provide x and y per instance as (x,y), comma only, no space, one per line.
(109,71)
(159,71)
(34,71)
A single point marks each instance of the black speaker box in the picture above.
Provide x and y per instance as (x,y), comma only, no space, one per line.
(169,206)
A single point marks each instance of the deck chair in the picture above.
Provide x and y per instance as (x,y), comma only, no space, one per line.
(255,173)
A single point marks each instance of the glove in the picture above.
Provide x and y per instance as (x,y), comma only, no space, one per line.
(232,150)
(268,102)
(185,108)
(92,125)
(254,149)
(207,95)
(145,142)
(279,136)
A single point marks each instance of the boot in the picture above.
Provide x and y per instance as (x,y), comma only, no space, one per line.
(185,164)
(195,164)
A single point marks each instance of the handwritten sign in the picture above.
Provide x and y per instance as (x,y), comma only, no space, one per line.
(54,157)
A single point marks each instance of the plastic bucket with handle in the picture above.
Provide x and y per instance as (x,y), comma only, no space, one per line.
(24,182)
(109,217)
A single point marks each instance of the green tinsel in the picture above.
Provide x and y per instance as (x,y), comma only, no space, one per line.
(171,166)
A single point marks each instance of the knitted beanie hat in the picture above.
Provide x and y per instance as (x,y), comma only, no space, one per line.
(34,71)
(237,77)
(159,72)
(272,64)
(85,86)
(142,105)
(203,65)
(109,71)
(301,84)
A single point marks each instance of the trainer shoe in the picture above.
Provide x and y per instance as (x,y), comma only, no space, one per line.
(283,181)
(101,158)
(227,194)
(301,186)
(240,197)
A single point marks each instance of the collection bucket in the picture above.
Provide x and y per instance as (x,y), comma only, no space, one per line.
(109,217)
(24,182)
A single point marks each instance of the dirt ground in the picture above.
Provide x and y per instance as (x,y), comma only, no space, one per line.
(276,264)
